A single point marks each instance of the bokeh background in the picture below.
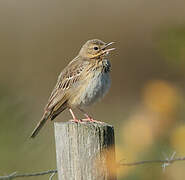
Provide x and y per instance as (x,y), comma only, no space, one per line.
(146,102)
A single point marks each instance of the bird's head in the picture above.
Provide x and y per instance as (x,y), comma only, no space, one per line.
(95,49)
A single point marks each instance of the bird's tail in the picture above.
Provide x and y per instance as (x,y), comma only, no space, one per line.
(40,124)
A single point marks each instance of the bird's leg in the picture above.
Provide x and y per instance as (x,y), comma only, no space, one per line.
(88,118)
(73,115)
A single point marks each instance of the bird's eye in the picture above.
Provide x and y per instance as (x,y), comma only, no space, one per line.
(96,48)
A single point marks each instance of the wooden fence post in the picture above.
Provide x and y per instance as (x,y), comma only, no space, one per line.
(85,151)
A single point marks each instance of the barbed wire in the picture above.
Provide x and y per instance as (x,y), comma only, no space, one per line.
(15,175)
(165,163)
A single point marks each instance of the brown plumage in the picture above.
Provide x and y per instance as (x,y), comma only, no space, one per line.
(84,80)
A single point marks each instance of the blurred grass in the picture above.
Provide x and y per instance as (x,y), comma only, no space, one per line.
(172,46)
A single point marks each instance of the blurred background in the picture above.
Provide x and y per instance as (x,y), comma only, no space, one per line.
(146,102)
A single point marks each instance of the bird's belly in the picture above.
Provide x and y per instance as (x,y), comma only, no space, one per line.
(94,89)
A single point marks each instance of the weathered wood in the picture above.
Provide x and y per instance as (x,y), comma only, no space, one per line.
(85,151)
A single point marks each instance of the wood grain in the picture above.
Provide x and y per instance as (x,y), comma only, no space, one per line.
(85,151)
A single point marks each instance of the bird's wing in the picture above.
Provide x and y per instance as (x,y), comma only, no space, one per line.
(68,78)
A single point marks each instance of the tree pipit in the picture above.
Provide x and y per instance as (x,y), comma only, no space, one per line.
(84,80)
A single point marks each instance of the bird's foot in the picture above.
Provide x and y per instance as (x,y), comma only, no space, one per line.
(76,120)
(89,119)
(74,117)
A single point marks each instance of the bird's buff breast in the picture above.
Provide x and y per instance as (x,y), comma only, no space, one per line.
(93,89)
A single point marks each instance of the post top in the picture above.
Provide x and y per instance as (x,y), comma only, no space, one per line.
(82,124)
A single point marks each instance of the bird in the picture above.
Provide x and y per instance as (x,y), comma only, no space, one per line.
(82,82)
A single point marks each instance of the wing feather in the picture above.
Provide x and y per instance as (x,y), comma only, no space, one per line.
(67,79)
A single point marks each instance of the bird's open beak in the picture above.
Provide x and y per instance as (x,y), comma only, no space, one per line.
(108,50)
